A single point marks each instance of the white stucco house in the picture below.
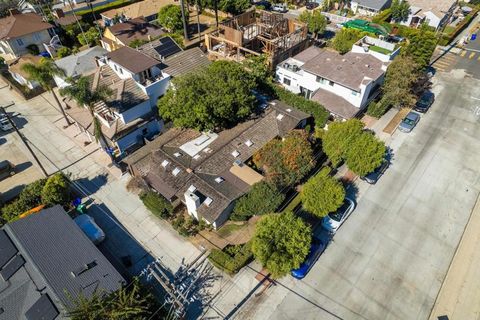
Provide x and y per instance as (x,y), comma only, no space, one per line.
(436,13)
(343,84)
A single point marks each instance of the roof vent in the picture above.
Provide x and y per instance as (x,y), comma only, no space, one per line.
(83,268)
(235,153)
(367,66)
(192,188)
(249,143)
(177,154)
(219,179)
(280,117)
(176,171)
(238,163)
(289,110)
(165,163)
(208,201)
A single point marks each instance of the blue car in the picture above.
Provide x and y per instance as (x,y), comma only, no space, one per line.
(315,251)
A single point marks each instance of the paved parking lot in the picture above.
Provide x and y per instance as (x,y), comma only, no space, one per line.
(389,259)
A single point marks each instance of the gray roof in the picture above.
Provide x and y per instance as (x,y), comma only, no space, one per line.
(132,60)
(375,4)
(82,62)
(348,70)
(335,104)
(52,247)
(185,62)
(201,171)
(160,49)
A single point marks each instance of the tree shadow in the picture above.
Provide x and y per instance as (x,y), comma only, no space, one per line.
(2,140)
(22,166)
(89,186)
(11,193)
(18,120)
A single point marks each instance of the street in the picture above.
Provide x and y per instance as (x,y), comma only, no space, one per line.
(388,261)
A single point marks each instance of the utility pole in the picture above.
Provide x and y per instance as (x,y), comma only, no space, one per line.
(2,110)
(215,3)
(185,33)
(78,22)
(198,22)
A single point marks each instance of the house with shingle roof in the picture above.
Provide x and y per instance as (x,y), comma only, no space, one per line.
(18,31)
(46,264)
(343,84)
(208,171)
(130,114)
(435,13)
(369,7)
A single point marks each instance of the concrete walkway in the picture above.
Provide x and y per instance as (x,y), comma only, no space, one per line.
(459,297)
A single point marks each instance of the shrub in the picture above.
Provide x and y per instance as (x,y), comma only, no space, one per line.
(63,52)
(188,226)
(30,197)
(261,199)
(383,16)
(56,190)
(33,49)
(377,109)
(156,204)
(232,258)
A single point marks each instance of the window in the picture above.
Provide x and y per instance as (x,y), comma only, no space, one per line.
(115,67)
(121,70)
(354,93)
(20,42)
(36,37)
(331,83)
(287,81)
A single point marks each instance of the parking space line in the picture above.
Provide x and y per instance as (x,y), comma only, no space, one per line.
(471,55)
(463,53)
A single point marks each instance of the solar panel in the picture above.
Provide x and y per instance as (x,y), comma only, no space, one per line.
(42,309)
(7,249)
(12,267)
(167,47)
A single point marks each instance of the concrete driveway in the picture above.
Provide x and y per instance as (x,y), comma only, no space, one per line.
(390,258)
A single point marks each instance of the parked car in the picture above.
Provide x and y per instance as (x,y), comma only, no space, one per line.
(373,177)
(7,169)
(280,7)
(4,123)
(312,5)
(316,250)
(425,101)
(334,220)
(409,122)
(90,228)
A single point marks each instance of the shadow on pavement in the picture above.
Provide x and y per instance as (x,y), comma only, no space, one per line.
(22,166)
(92,185)
(12,193)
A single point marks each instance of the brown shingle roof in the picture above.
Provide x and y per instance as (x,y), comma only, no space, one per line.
(19,25)
(335,104)
(135,29)
(348,70)
(217,162)
(132,59)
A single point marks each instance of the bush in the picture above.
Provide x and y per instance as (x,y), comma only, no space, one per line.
(261,199)
(232,258)
(383,16)
(318,112)
(56,190)
(156,204)
(30,197)
(33,49)
(377,109)
(63,52)
(188,226)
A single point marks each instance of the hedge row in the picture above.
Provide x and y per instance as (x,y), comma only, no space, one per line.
(156,204)
(447,38)
(232,258)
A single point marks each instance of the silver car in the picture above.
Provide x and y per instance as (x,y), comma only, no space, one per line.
(409,122)
(334,220)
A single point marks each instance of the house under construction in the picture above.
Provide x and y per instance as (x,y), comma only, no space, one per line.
(257,32)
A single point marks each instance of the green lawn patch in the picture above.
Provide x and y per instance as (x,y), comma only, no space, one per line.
(380,50)
(228,229)
(232,258)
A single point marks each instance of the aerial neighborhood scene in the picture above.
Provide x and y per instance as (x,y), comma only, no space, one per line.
(239,159)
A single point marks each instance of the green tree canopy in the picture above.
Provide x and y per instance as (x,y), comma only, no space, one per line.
(133,302)
(421,46)
(170,17)
(285,162)
(361,150)
(217,97)
(92,37)
(316,21)
(322,194)
(400,10)
(263,198)
(56,190)
(281,242)
(345,38)
(399,80)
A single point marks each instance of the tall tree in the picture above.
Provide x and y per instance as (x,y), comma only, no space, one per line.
(345,38)
(421,46)
(82,92)
(43,73)
(400,10)
(322,194)
(171,17)
(315,21)
(339,137)
(216,97)
(399,81)
(281,242)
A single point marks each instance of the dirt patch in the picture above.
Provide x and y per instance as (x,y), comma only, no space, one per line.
(393,124)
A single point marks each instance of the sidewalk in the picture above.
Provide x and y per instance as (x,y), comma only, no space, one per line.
(459,296)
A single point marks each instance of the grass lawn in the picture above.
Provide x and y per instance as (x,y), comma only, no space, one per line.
(294,203)
(380,49)
(449,30)
(228,229)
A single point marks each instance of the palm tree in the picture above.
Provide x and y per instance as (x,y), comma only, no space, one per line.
(43,74)
(82,92)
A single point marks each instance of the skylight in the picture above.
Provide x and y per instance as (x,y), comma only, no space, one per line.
(208,201)
(165,163)
(176,171)
(192,188)
(249,143)
(196,157)
(289,110)
(235,153)
(177,154)
(280,117)
(219,179)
